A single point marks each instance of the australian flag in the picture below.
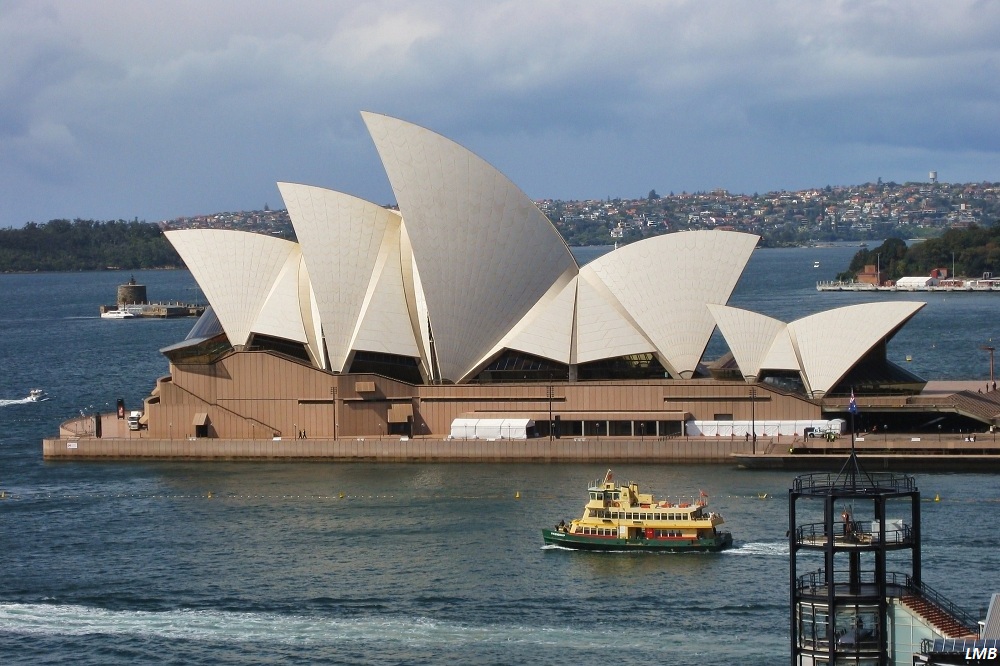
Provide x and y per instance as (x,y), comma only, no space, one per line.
(853,406)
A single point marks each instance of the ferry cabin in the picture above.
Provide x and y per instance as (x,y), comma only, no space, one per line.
(621,512)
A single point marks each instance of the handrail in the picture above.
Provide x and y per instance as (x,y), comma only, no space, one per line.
(968,622)
(828,481)
(815,579)
(857,531)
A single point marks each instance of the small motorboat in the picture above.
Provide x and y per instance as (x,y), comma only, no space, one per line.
(37,395)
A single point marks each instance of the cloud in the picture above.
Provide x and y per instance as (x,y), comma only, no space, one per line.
(116,108)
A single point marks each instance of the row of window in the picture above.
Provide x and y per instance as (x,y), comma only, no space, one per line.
(611,532)
(637,515)
(854,628)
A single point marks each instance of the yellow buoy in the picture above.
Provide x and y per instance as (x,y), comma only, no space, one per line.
(517,494)
(937,498)
(209,494)
(341,495)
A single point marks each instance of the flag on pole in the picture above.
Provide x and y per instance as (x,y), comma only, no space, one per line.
(853,407)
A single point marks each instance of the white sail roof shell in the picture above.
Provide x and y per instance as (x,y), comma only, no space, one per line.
(486,254)
(386,325)
(351,247)
(666,282)
(547,330)
(604,328)
(240,274)
(830,343)
(752,338)
(823,347)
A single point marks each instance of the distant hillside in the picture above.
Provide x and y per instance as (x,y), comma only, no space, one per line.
(85,245)
(868,212)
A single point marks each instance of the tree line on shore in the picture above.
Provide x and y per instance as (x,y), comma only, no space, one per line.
(973,253)
(85,245)
(88,245)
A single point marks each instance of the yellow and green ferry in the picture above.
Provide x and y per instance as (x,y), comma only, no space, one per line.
(619,517)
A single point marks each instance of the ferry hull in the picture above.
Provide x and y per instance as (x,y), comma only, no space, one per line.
(581,542)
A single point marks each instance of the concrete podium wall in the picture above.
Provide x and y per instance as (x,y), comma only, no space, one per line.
(395,450)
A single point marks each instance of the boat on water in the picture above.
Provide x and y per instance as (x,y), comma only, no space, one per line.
(620,518)
(120,313)
(37,395)
(815,264)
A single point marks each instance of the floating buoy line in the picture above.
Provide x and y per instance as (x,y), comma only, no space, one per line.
(341,495)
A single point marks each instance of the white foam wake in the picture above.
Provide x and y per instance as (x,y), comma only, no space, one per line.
(773,548)
(224,626)
(22,401)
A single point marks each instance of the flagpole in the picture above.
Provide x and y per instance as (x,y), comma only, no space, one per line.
(853,409)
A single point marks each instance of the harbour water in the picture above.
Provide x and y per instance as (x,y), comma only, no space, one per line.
(160,562)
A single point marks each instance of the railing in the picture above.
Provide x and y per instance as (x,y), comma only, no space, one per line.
(968,622)
(818,579)
(855,532)
(825,482)
(955,645)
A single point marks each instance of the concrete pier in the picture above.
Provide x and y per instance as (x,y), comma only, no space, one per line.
(933,451)
(694,450)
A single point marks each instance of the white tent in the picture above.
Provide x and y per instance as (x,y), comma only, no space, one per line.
(763,428)
(911,282)
(490,429)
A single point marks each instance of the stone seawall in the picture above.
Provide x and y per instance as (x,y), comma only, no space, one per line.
(694,450)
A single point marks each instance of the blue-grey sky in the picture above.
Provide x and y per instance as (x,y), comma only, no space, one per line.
(154,110)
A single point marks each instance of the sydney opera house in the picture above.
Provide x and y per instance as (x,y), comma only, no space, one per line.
(464,306)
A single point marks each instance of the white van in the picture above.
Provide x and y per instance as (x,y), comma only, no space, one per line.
(133,420)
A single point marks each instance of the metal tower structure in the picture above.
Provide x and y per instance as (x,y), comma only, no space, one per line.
(854,541)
